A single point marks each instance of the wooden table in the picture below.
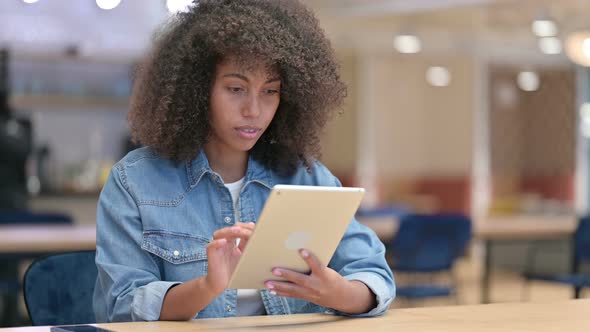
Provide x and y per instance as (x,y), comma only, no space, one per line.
(518,228)
(21,242)
(42,239)
(492,230)
(524,227)
(569,316)
(513,227)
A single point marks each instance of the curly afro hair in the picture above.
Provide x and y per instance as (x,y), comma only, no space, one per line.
(170,102)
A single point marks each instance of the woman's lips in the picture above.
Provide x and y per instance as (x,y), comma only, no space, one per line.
(248,132)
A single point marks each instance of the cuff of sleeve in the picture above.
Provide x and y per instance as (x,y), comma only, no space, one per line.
(378,286)
(148,300)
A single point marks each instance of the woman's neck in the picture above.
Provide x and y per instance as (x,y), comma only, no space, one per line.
(231,165)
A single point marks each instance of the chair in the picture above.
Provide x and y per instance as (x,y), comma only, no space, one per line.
(581,255)
(428,244)
(58,289)
(24,217)
(10,284)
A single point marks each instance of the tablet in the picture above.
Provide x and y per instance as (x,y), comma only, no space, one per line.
(78,328)
(295,217)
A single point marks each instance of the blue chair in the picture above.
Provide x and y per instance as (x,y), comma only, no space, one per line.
(427,244)
(24,217)
(58,289)
(581,255)
(10,284)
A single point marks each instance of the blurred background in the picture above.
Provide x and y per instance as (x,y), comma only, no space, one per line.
(470,108)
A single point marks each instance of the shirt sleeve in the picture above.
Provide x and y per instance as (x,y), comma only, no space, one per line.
(361,256)
(129,286)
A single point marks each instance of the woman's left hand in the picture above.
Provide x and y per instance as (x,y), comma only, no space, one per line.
(323,286)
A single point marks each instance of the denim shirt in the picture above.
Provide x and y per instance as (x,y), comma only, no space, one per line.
(155,219)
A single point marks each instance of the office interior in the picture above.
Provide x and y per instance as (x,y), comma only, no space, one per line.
(478,108)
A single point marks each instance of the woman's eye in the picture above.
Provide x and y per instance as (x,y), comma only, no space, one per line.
(272,92)
(235,89)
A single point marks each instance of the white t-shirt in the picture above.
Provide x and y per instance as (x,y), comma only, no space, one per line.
(249,300)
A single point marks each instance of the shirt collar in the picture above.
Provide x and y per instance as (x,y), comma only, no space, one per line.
(255,172)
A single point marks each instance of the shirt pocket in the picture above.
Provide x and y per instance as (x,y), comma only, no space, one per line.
(186,255)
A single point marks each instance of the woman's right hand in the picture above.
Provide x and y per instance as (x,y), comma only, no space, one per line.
(223,254)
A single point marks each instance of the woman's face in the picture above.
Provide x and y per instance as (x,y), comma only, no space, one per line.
(242,105)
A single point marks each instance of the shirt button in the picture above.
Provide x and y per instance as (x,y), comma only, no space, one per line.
(227,220)
(229,308)
(176,253)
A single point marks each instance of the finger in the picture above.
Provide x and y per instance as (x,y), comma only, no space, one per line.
(242,245)
(232,233)
(293,276)
(243,239)
(216,244)
(246,233)
(226,232)
(248,225)
(237,236)
(312,261)
(288,289)
(236,252)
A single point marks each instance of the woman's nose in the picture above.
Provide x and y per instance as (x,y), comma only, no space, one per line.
(252,107)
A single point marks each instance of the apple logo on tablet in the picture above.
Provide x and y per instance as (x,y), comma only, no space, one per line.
(297,240)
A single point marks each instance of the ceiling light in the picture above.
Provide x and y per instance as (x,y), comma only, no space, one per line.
(586,47)
(577,47)
(585,112)
(585,123)
(107,4)
(438,76)
(544,28)
(407,44)
(30,1)
(550,45)
(505,94)
(528,81)
(176,6)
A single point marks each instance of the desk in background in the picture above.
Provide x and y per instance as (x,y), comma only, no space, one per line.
(44,239)
(570,316)
(491,230)
(518,228)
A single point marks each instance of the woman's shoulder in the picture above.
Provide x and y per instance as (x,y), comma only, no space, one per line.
(143,156)
(137,155)
(145,161)
(151,178)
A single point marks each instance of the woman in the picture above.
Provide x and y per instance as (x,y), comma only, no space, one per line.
(230,102)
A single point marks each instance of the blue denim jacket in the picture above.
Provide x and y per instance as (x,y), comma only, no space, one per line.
(154,221)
